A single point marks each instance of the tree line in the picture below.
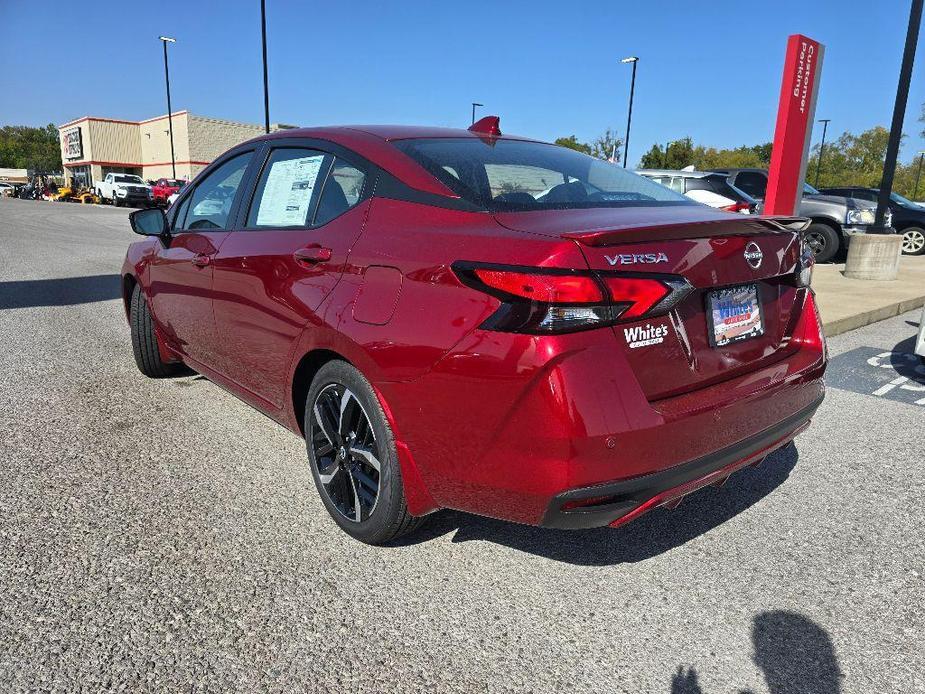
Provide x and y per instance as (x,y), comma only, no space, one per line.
(24,147)
(847,160)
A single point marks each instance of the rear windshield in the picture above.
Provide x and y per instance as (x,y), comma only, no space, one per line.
(172,183)
(509,175)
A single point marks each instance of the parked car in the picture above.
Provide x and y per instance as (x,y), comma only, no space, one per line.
(908,216)
(8,189)
(164,188)
(443,337)
(703,186)
(833,217)
(126,189)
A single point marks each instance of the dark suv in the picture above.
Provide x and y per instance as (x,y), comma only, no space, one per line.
(834,218)
(908,217)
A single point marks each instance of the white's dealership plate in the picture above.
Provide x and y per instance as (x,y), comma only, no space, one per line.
(734,314)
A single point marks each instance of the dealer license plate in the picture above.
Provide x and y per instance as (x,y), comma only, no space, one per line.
(734,314)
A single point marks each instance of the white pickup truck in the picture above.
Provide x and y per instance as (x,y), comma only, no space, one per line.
(124,189)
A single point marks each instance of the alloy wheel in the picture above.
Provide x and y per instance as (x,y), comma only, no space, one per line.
(913,241)
(816,242)
(345,452)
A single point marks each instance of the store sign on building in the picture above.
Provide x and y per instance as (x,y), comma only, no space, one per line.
(73,144)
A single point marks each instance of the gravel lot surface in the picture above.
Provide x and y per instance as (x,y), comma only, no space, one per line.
(162,536)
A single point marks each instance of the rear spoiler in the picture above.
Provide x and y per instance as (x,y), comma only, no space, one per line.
(690,230)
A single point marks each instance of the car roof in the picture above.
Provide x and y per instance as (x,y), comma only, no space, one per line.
(737,170)
(676,172)
(374,142)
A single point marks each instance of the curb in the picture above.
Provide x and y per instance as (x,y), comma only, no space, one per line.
(859,320)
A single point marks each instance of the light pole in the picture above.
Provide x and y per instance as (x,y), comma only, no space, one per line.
(899,112)
(825,126)
(918,173)
(266,87)
(173,161)
(629,118)
(474,104)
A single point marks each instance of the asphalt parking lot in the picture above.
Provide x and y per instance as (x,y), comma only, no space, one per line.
(162,536)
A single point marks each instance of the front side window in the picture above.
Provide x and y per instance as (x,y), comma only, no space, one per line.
(127,179)
(511,175)
(210,203)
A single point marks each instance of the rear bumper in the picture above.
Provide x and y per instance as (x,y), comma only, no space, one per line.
(619,502)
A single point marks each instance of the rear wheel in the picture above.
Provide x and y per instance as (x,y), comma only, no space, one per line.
(115,199)
(144,340)
(351,451)
(822,240)
(913,241)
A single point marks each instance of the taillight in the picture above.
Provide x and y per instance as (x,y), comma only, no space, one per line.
(743,207)
(549,300)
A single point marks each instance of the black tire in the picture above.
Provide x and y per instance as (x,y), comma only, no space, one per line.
(824,241)
(144,341)
(115,198)
(913,241)
(387,517)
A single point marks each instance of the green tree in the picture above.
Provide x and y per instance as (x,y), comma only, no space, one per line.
(607,146)
(24,147)
(852,160)
(572,143)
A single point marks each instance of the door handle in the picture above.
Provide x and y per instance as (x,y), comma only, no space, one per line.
(312,254)
(201,259)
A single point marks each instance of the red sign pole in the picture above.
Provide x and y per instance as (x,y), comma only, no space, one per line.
(795,115)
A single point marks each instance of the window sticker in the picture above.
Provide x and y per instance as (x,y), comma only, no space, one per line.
(288,192)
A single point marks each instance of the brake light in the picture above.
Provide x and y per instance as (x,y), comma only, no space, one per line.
(737,207)
(550,289)
(548,300)
(642,294)
(804,270)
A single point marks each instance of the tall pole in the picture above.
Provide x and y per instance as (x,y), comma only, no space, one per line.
(266,86)
(474,104)
(173,160)
(918,173)
(825,126)
(629,117)
(899,112)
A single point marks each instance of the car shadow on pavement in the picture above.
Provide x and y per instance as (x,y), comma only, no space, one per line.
(60,291)
(795,654)
(652,534)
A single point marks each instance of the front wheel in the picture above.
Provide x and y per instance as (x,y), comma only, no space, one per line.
(351,451)
(823,241)
(144,340)
(913,241)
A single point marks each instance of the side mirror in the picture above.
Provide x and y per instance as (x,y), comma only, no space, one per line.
(149,222)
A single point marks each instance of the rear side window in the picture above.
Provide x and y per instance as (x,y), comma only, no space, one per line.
(210,203)
(342,190)
(287,192)
(752,183)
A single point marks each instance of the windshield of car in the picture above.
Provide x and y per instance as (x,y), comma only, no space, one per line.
(809,190)
(174,183)
(128,179)
(513,175)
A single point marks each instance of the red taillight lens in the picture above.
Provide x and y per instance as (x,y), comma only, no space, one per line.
(549,289)
(546,300)
(737,207)
(642,294)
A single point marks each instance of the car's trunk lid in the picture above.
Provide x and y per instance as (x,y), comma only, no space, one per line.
(675,353)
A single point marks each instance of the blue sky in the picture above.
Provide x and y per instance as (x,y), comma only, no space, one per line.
(708,70)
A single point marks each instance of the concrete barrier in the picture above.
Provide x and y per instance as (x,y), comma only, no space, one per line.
(873,256)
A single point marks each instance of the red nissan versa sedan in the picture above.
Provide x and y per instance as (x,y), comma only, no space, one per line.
(475,321)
